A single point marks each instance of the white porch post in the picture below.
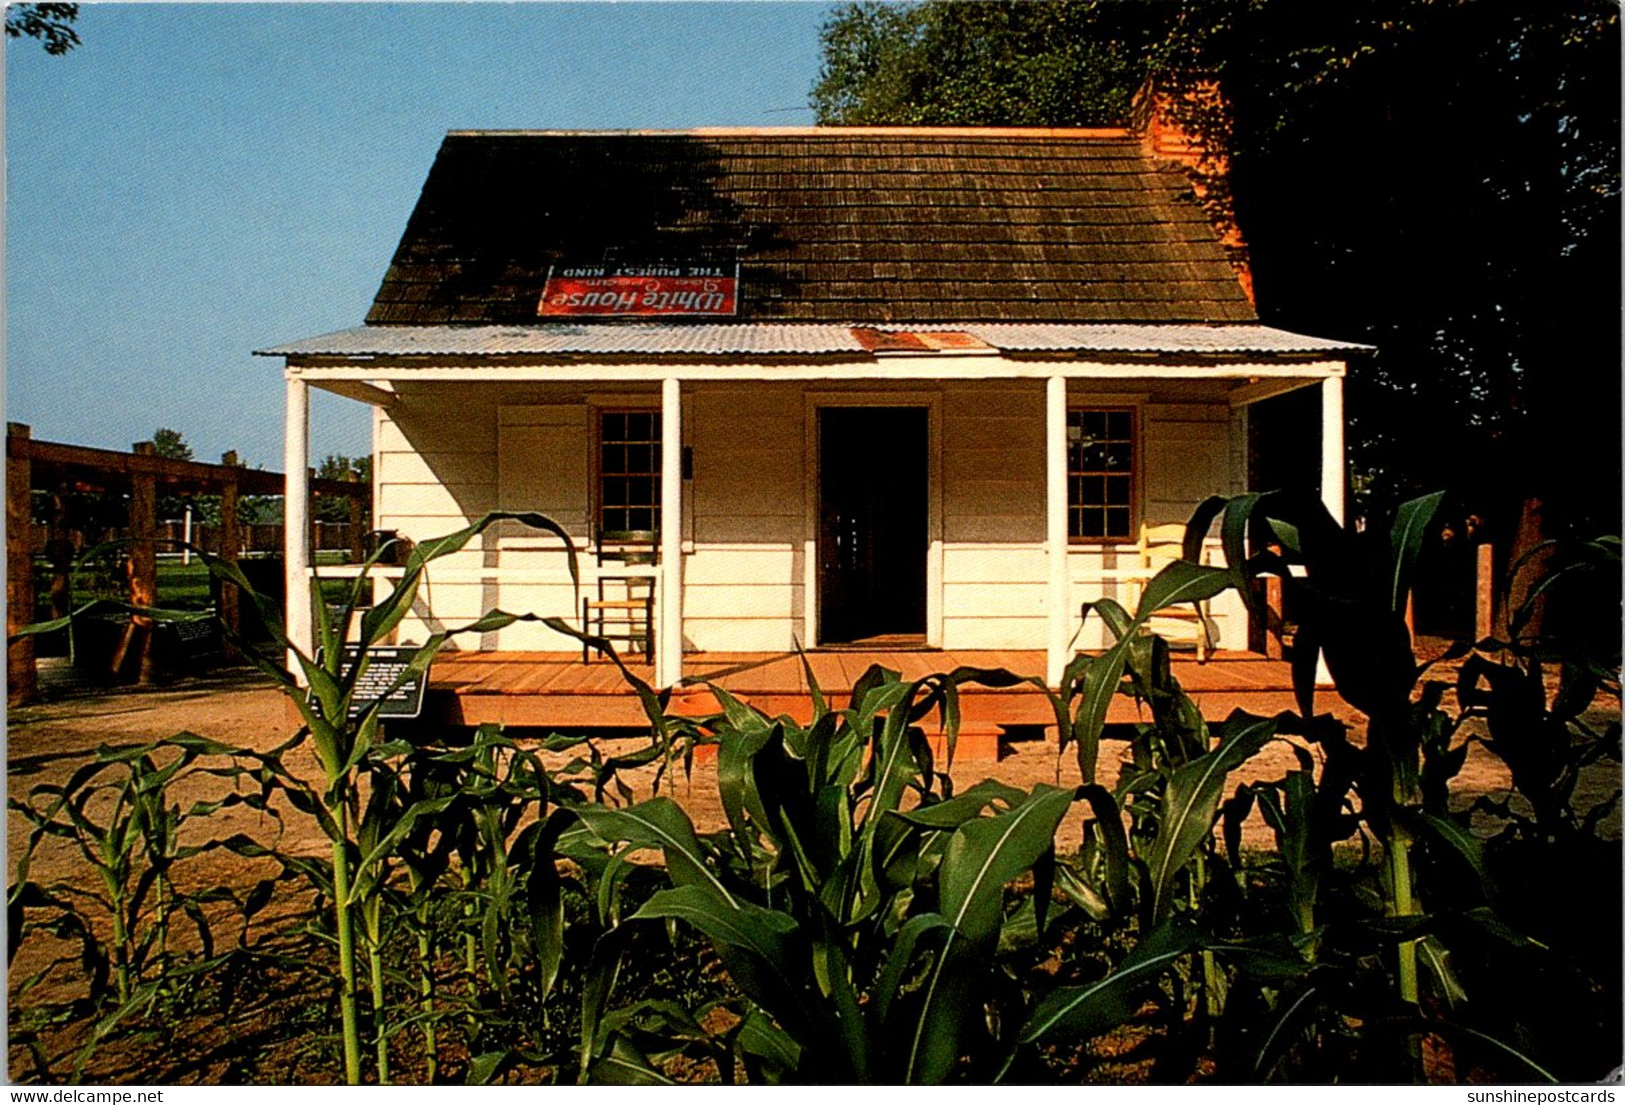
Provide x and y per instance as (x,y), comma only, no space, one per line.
(1331,446)
(669,651)
(1332,474)
(1055,526)
(296,518)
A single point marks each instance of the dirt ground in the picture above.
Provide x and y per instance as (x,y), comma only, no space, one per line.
(45,742)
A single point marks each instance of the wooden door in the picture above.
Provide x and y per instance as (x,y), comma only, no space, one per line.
(873,483)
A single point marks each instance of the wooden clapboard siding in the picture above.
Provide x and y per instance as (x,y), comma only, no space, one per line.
(435,474)
(1187,458)
(970,563)
(994,563)
(742,583)
(449,454)
(747,508)
(458,504)
(724,563)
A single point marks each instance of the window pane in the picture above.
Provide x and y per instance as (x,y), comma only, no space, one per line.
(640,491)
(1117,522)
(640,427)
(614,491)
(639,458)
(1094,491)
(1119,425)
(1117,491)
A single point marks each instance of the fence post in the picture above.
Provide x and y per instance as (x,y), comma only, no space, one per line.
(142,568)
(22,684)
(60,550)
(358,540)
(231,541)
(1484,619)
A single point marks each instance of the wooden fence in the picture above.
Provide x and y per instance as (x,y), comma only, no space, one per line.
(59,471)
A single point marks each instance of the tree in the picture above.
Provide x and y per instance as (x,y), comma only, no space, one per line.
(49,23)
(336,466)
(1000,63)
(1436,178)
(171,444)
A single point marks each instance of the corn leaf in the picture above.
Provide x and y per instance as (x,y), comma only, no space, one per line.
(1191,805)
(1410,526)
(1082,1012)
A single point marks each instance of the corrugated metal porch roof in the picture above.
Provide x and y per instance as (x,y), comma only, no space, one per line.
(796,339)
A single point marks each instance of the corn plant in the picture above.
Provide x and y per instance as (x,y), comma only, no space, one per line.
(1396,971)
(817,898)
(344,729)
(861,906)
(118,814)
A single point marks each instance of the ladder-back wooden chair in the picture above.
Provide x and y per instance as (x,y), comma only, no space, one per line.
(1159,547)
(623,611)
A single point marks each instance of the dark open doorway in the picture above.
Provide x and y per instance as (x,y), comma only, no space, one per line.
(873,487)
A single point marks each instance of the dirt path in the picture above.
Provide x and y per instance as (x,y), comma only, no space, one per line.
(45,742)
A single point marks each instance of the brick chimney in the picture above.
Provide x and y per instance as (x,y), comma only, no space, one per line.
(1184,118)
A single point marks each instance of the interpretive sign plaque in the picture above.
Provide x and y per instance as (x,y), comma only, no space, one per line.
(384,666)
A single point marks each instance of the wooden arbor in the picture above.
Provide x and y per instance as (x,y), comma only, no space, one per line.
(56,469)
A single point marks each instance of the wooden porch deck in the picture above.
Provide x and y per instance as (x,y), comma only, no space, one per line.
(555,689)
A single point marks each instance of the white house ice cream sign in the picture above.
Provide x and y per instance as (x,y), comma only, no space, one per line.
(648,290)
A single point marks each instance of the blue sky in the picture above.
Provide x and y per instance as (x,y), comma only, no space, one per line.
(197,181)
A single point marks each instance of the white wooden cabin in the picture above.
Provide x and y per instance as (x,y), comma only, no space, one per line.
(952,377)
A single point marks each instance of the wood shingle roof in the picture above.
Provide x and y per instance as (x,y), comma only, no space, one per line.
(858,226)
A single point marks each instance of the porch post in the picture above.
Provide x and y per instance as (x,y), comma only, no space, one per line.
(669,652)
(1331,446)
(1331,474)
(1055,527)
(296,519)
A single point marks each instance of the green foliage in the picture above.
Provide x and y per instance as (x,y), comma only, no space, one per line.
(50,24)
(859,921)
(866,912)
(1442,911)
(997,63)
(171,444)
(116,814)
(1379,154)
(337,466)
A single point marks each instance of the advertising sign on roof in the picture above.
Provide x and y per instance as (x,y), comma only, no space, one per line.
(640,290)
